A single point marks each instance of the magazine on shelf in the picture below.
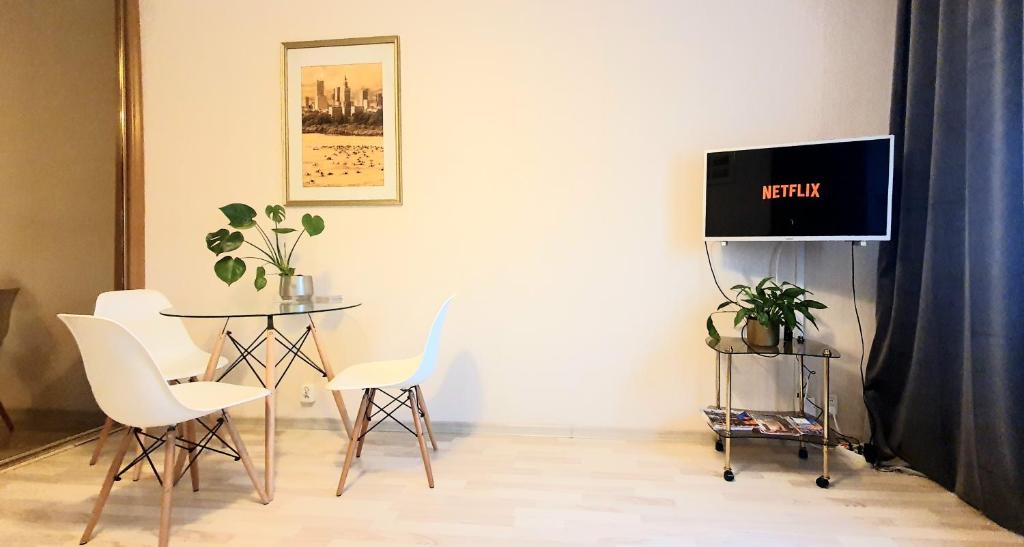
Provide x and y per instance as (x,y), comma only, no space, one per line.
(805,426)
(741,419)
(770,424)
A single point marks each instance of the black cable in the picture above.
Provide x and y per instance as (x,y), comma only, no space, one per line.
(860,331)
(713,276)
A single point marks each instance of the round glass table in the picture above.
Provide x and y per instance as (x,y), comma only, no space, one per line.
(270,339)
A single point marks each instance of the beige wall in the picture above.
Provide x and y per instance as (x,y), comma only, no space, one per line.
(58,131)
(552,175)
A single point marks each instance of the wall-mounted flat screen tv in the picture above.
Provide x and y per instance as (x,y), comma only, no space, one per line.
(828,190)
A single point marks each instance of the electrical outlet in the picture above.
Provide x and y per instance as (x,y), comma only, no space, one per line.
(307,396)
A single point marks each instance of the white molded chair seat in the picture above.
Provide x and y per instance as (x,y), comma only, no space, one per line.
(376,374)
(203,398)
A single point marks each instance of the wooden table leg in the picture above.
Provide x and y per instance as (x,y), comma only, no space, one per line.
(244,455)
(270,381)
(339,401)
(218,347)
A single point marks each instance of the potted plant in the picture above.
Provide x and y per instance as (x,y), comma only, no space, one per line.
(273,251)
(765,307)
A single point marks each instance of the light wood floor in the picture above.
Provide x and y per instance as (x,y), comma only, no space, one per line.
(499,490)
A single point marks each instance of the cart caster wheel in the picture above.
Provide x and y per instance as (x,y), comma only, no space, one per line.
(719,446)
(822,482)
(728,476)
(802,453)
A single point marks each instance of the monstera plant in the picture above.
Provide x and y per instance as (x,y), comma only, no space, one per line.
(271,249)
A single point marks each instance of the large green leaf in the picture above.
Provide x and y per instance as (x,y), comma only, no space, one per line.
(313,224)
(276,213)
(741,314)
(712,331)
(724,304)
(261,278)
(239,215)
(789,316)
(793,292)
(809,317)
(223,241)
(283,230)
(813,304)
(229,269)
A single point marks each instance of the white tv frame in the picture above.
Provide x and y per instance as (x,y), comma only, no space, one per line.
(888,215)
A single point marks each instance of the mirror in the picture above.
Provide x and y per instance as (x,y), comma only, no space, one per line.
(62,174)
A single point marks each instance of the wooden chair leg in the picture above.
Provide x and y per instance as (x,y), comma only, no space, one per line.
(6,417)
(356,432)
(168,487)
(365,418)
(246,460)
(108,424)
(180,457)
(426,416)
(193,455)
(419,436)
(137,472)
(108,483)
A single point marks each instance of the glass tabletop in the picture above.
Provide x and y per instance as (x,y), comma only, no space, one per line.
(736,346)
(318,304)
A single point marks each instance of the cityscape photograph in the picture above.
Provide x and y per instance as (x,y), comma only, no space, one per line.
(342,125)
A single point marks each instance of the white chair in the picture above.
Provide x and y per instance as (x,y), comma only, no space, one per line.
(130,388)
(165,338)
(403,374)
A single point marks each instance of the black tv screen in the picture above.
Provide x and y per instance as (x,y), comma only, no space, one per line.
(830,190)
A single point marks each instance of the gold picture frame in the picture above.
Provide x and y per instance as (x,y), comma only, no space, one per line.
(339,150)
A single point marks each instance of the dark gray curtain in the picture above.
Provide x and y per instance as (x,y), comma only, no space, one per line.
(945,377)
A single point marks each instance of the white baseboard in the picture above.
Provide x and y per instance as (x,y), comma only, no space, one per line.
(464,429)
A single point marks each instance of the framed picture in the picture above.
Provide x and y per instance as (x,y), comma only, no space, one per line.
(342,132)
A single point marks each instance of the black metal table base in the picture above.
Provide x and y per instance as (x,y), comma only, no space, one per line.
(293,351)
